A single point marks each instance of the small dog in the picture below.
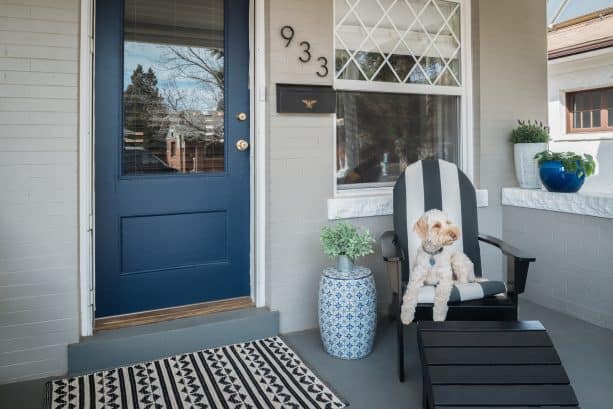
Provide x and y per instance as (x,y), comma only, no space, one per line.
(436,263)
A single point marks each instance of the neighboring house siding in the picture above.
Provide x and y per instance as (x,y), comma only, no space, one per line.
(512,84)
(38,181)
(582,72)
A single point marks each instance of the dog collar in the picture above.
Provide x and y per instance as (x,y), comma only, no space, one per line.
(432,254)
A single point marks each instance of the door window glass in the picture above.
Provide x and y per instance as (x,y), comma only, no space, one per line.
(173,92)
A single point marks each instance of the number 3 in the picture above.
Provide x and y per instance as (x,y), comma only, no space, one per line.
(307,51)
(324,66)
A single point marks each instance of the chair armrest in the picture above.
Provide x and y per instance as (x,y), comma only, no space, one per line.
(389,249)
(517,264)
(506,248)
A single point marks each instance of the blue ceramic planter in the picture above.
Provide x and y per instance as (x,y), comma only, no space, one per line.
(556,179)
(347,312)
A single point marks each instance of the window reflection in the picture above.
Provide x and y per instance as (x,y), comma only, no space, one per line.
(173,98)
(378,135)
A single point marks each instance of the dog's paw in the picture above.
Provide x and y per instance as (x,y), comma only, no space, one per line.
(407,315)
(439,314)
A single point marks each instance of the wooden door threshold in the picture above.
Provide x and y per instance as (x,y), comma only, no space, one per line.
(167,314)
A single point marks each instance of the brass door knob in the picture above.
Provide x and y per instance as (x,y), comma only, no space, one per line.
(242,145)
(241,116)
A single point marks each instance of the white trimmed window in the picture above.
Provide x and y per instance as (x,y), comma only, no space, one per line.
(402,91)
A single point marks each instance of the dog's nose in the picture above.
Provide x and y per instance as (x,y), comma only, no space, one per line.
(453,235)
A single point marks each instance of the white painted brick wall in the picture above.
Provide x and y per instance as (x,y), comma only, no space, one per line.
(573,272)
(512,84)
(38,185)
(300,168)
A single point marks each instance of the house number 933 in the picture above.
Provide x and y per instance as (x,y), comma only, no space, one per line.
(288,33)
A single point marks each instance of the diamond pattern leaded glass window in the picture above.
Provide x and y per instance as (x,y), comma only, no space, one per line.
(399,41)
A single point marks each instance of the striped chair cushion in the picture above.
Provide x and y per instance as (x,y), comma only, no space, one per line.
(464,292)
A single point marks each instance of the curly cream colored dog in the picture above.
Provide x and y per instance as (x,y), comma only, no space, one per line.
(436,263)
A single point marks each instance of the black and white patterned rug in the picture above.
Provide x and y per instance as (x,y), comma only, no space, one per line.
(260,374)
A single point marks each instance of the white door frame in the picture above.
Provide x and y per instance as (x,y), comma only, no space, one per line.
(257,74)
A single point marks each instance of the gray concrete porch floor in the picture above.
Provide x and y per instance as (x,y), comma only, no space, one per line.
(371,383)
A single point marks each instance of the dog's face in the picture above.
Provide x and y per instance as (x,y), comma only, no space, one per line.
(436,228)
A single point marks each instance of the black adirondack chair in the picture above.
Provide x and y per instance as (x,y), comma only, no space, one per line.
(437,184)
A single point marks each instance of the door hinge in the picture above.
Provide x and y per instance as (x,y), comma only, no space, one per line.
(91,296)
(90,223)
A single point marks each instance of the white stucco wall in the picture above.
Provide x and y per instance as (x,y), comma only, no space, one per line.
(38,181)
(582,72)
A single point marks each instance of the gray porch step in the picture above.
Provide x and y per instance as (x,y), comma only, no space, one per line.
(110,349)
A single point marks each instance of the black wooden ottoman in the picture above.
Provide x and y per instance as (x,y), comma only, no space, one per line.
(491,364)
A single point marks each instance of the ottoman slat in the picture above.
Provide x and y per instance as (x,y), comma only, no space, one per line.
(504,395)
(487,339)
(498,375)
(491,356)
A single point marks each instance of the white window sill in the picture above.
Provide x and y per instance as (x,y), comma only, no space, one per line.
(584,137)
(588,203)
(354,206)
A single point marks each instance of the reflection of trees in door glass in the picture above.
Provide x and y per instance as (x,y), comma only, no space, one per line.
(173,98)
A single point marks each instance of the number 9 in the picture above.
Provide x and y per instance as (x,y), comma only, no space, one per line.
(288,37)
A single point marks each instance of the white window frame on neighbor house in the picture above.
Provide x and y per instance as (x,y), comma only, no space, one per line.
(381,196)
(257,81)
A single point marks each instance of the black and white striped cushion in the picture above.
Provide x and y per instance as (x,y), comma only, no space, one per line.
(435,184)
(464,292)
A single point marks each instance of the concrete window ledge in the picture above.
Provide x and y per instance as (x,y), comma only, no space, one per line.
(589,203)
(350,207)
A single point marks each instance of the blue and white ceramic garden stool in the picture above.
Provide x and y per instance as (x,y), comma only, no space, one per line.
(347,312)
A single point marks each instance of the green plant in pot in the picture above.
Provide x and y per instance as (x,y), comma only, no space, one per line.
(564,172)
(528,138)
(346,243)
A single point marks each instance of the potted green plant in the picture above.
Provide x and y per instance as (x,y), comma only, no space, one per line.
(564,172)
(346,243)
(528,138)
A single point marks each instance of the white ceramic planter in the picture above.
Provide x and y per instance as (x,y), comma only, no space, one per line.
(526,167)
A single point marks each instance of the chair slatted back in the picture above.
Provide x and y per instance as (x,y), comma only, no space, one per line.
(435,184)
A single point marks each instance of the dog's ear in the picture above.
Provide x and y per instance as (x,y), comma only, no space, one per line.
(421,227)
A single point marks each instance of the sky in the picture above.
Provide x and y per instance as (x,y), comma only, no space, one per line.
(575,8)
(149,56)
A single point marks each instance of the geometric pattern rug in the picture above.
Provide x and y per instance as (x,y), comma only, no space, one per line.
(259,374)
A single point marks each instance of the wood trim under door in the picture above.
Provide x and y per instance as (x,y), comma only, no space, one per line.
(167,314)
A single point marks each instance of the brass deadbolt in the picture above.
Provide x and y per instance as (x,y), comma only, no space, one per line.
(242,145)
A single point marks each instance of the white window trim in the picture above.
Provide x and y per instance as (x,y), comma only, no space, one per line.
(381,204)
(464,91)
(86,166)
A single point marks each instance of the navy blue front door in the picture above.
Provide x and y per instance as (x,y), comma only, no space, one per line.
(171,186)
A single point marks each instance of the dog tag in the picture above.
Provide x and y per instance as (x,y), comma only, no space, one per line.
(432,261)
